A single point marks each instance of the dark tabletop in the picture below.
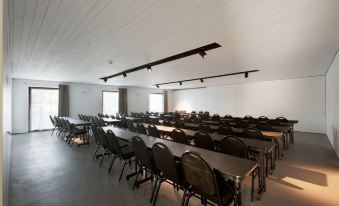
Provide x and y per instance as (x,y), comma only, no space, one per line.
(77,122)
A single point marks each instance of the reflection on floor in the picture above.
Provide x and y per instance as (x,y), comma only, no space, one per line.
(45,171)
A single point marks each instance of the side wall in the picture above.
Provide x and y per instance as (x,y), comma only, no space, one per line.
(302,99)
(332,104)
(83,99)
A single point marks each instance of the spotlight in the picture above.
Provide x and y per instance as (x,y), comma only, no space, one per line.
(124,74)
(157,85)
(202,80)
(180,83)
(246,74)
(149,68)
(105,80)
(203,54)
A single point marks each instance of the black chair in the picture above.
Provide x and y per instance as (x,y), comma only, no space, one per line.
(178,135)
(281,119)
(252,133)
(74,132)
(234,146)
(216,117)
(263,118)
(97,140)
(203,140)
(153,131)
(242,124)
(179,125)
(124,153)
(247,117)
(167,169)
(166,123)
(205,181)
(53,123)
(225,130)
(264,126)
(140,128)
(130,126)
(227,116)
(205,128)
(143,158)
(102,122)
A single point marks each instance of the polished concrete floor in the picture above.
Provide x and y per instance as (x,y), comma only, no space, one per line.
(45,171)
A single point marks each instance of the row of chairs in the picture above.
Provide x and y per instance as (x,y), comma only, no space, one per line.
(66,131)
(161,163)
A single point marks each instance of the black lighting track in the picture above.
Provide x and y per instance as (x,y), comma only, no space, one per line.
(200,51)
(201,79)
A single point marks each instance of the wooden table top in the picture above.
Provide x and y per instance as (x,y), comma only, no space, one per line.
(231,167)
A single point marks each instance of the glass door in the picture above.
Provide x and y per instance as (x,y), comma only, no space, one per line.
(42,103)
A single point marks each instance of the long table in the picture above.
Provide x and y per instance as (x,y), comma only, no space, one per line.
(234,168)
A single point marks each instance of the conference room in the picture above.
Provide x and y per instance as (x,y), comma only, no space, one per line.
(170,102)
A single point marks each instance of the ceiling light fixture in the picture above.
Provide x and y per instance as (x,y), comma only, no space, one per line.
(157,85)
(105,80)
(246,73)
(203,54)
(124,74)
(201,50)
(149,68)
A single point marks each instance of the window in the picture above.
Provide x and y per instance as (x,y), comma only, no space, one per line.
(156,102)
(110,102)
(42,103)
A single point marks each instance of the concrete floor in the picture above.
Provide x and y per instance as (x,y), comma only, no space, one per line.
(45,171)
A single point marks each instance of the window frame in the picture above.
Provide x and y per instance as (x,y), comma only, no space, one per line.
(30,105)
(102,99)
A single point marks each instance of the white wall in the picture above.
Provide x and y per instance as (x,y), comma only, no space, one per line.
(302,99)
(83,99)
(332,104)
(138,98)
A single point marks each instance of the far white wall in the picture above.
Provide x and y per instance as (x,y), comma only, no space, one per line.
(302,99)
(332,104)
(138,98)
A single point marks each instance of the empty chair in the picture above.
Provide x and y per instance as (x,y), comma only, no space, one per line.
(112,116)
(124,153)
(143,158)
(166,123)
(179,136)
(101,122)
(227,116)
(242,124)
(153,131)
(253,121)
(74,132)
(203,140)
(130,126)
(216,117)
(106,116)
(205,128)
(97,140)
(167,168)
(205,181)
(247,117)
(281,119)
(264,126)
(141,129)
(225,130)
(263,118)
(54,124)
(252,133)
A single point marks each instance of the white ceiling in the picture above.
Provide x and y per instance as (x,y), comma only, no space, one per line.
(73,40)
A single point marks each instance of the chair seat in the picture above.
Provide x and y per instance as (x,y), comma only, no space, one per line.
(127,152)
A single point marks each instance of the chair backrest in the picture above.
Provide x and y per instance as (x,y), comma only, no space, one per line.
(248,117)
(153,131)
(263,118)
(179,124)
(225,130)
(199,174)
(252,133)
(102,122)
(178,135)
(281,119)
(130,126)
(165,162)
(227,116)
(103,137)
(96,135)
(216,117)
(112,116)
(203,140)
(205,128)
(141,152)
(242,124)
(141,129)
(234,146)
(114,143)
(166,123)
(57,121)
(50,117)
(264,126)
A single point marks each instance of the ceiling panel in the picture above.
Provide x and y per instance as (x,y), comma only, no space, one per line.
(73,40)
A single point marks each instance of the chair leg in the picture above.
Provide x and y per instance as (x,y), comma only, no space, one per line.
(136,180)
(102,158)
(52,131)
(183,198)
(154,187)
(252,188)
(122,171)
(156,192)
(95,153)
(111,165)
